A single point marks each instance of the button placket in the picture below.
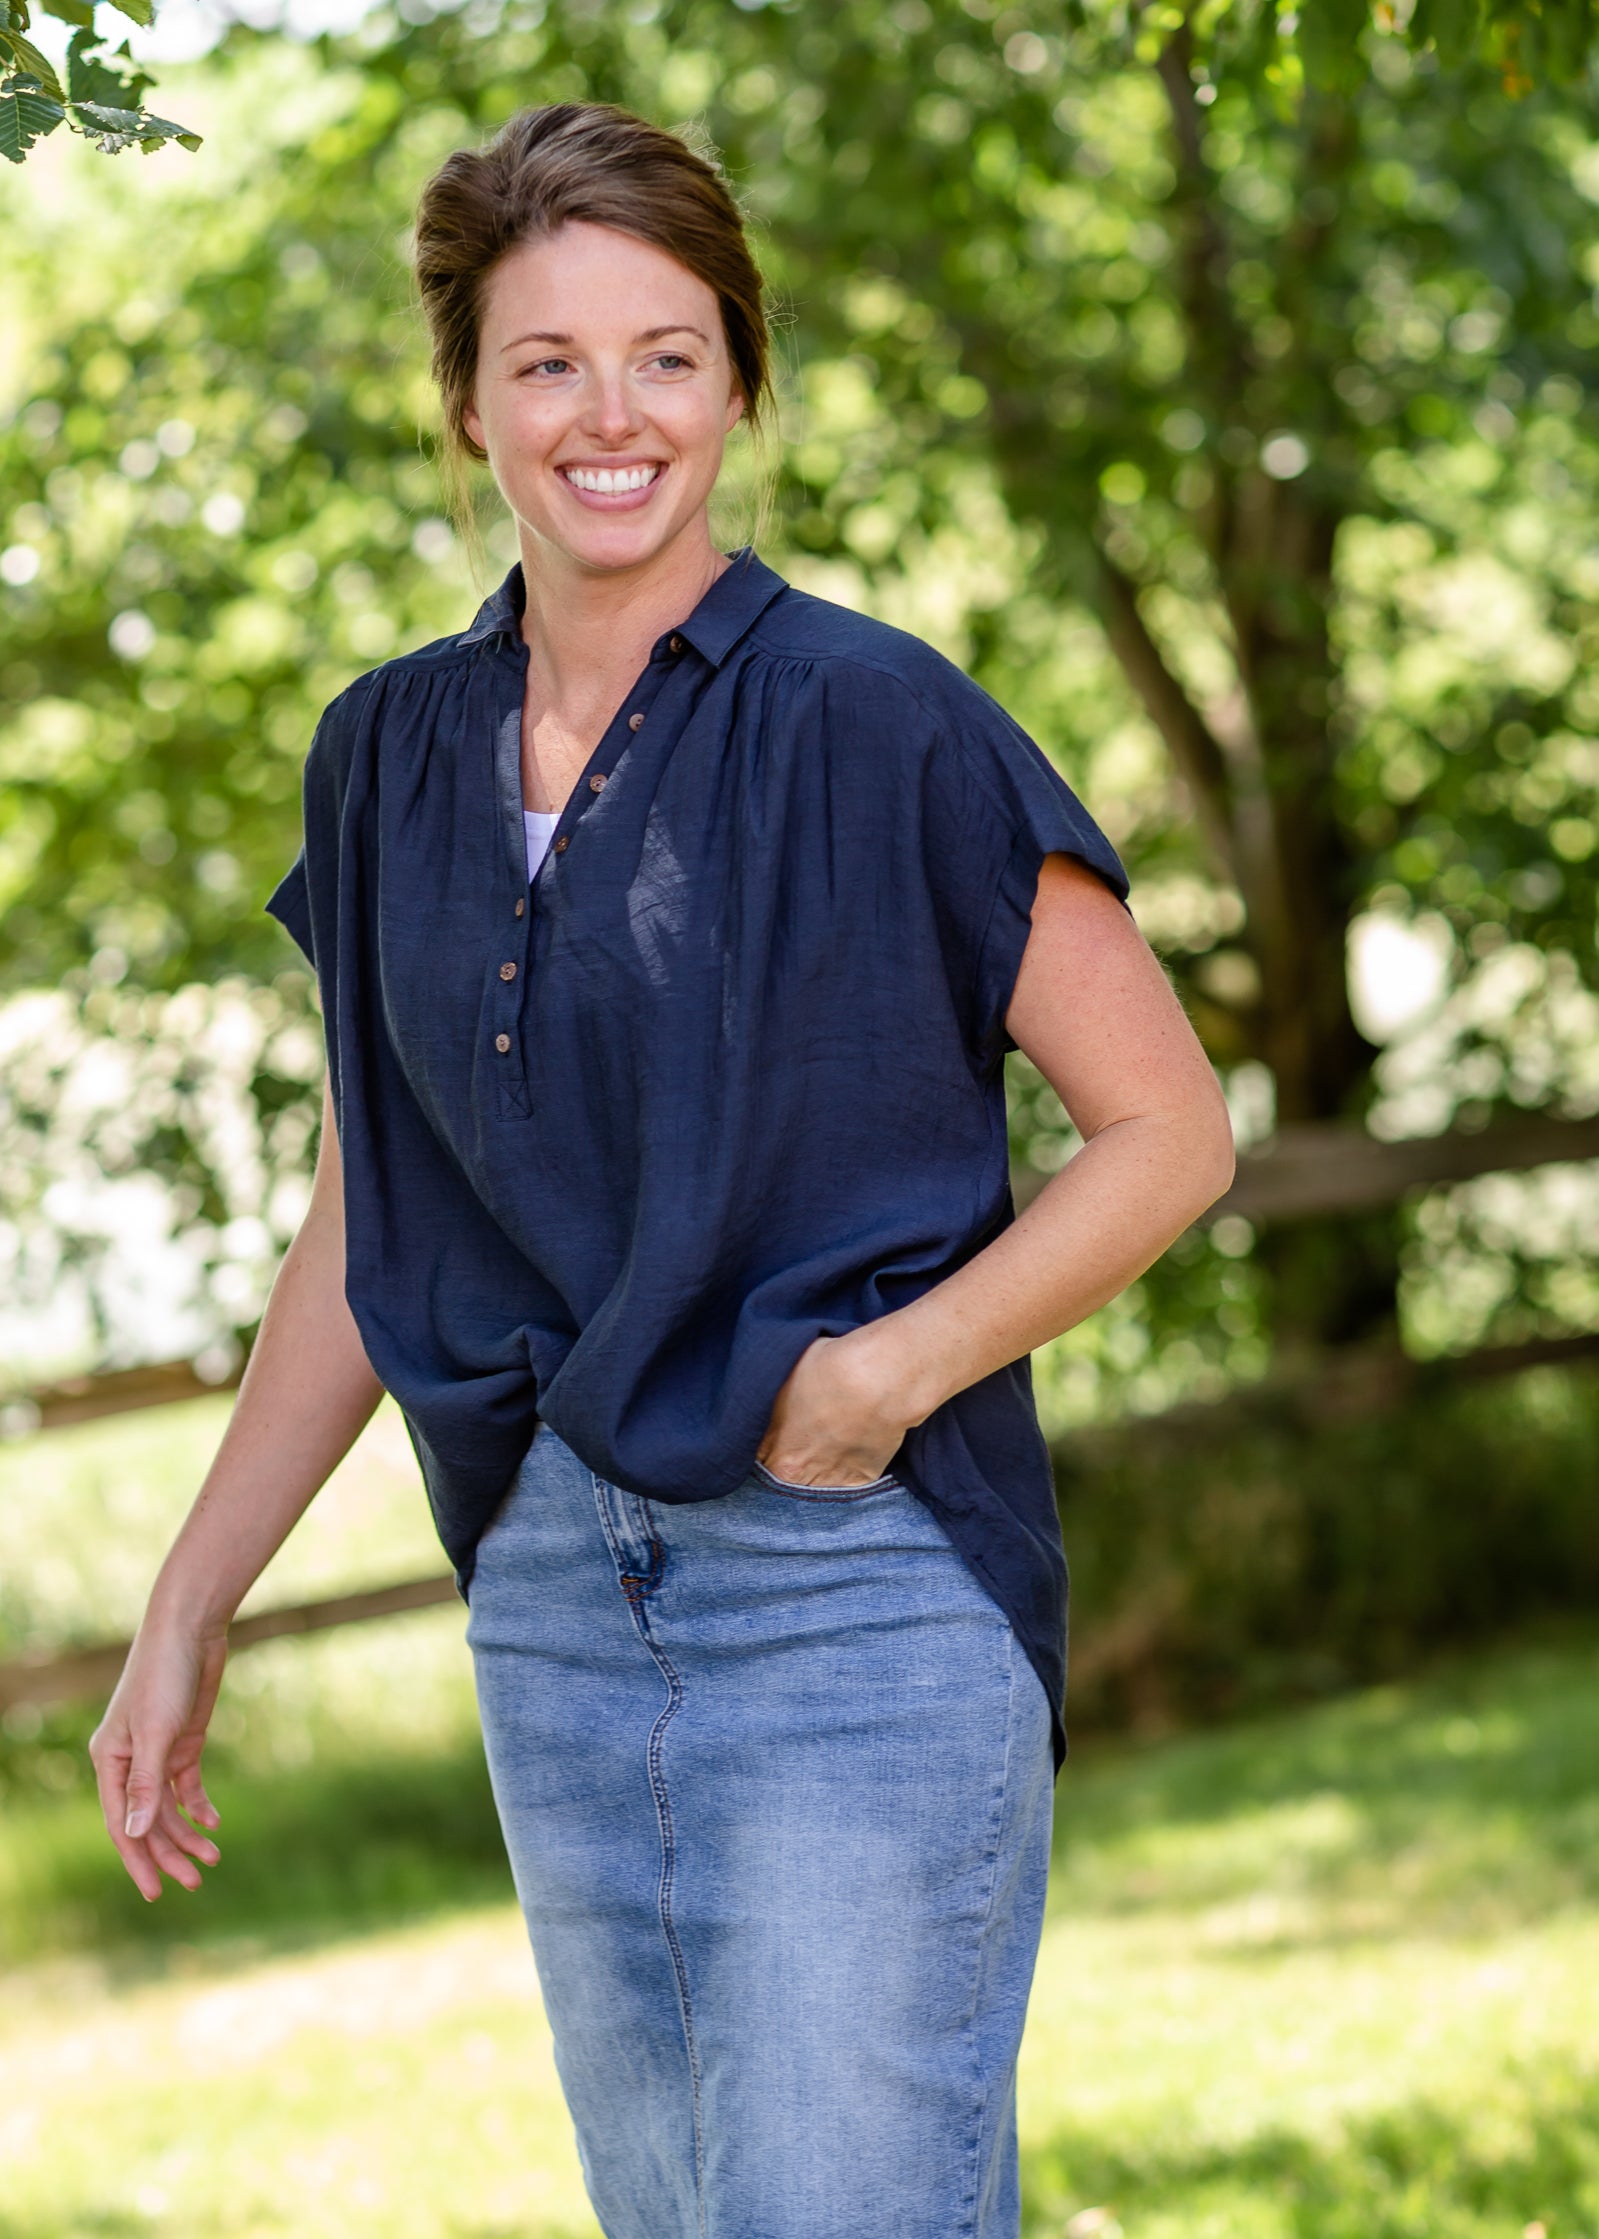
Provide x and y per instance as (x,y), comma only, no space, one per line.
(511,978)
(505,679)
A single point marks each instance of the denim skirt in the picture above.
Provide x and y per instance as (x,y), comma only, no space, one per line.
(775,1780)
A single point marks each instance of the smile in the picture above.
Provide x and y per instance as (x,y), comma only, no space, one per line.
(604,481)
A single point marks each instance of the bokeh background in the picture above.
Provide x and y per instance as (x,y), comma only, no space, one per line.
(1220,389)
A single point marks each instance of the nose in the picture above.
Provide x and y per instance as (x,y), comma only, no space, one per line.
(614,412)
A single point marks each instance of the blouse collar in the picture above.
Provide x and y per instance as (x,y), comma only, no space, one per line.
(732,605)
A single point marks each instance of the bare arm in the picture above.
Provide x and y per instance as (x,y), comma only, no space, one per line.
(307,1391)
(1093,1010)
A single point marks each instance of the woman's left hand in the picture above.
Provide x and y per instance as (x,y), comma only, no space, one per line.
(838,1419)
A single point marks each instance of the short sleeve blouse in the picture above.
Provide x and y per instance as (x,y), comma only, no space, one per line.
(726,1076)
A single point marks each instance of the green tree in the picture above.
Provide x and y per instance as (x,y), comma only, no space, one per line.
(102,96)
(1255,417)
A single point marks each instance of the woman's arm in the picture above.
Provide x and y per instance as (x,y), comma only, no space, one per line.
(1093,1010)
(307,1391)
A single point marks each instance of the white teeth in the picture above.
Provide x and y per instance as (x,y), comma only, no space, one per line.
(604,480)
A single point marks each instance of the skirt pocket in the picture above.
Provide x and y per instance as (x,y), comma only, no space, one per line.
(888,1482)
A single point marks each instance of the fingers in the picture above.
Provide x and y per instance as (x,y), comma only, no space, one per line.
(170,1847)
(146,1782)
(174,1828)
(147,1829)
(176,1849)
(142,1872)
(190,1791)
(167,1845)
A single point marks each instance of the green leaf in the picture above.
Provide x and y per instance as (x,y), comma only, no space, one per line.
(89,78)
(24,118)
(27,58)
(157,131)
(142,11)
(136,80)
(114,128)
(70,11)
(110,128)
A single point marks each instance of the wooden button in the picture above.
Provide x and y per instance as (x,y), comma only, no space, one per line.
(502,1043)
(596,784)
(507,971)
(559,847)
(674,643)
(521,904)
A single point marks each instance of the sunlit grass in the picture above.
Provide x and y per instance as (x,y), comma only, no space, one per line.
(399,2083)
(1330,1975)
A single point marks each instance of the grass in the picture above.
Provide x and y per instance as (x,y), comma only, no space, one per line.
(1331,1973)
(1328,1975)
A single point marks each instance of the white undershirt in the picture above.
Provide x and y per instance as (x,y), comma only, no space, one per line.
(539,827)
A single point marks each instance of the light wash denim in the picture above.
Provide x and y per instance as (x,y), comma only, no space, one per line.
(775,1780)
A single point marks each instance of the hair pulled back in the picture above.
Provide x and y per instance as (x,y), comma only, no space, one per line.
(589,162)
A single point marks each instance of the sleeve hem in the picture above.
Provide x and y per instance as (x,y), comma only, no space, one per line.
(290,904)
(1010,916)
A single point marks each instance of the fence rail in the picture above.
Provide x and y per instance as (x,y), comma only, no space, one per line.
(47,1678)
(1302,1172)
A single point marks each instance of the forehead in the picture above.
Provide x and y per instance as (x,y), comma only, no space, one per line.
(597,280)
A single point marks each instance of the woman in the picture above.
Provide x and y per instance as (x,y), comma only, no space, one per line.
(671,928)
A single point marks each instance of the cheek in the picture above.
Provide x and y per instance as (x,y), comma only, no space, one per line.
(520,426)
(701,426)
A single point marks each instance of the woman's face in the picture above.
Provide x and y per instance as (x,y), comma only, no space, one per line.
(604,395)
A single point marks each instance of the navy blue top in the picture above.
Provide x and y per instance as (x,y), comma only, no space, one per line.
(725,1078)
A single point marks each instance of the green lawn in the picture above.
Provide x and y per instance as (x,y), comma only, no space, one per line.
(1328,1975)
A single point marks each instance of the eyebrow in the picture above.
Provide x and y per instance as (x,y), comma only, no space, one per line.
(564,341)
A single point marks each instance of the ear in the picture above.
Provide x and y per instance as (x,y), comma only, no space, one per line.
(735,411)
(473,426)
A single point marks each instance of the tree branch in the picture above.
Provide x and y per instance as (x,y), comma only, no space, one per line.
(1192,744)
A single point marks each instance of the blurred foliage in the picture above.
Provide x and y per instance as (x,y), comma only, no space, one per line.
(1237,427)
(1260,41)
(155,1153)
(1224,1566)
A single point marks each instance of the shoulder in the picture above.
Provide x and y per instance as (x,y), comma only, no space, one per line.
(367,699)
(373,685)
(977,744)
(837,642)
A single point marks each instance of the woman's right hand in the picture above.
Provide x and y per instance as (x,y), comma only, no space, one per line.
(146,1756)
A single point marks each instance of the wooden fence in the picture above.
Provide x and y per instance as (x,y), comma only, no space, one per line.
(1301,1172)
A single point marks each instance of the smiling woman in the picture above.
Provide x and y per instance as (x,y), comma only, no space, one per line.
(568,170)
(628,424)
(663,1182)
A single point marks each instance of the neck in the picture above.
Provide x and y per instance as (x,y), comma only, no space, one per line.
(587,631)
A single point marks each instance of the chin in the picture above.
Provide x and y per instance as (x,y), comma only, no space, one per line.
(611,545)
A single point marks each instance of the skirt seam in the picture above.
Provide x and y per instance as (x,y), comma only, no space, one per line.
(968,2223)
(636,1602)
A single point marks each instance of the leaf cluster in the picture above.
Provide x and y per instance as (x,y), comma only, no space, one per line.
(102,96)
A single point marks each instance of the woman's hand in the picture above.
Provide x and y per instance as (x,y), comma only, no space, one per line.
(836,1420)
(146,1756)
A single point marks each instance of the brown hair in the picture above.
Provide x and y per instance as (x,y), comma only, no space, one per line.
(545,168)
